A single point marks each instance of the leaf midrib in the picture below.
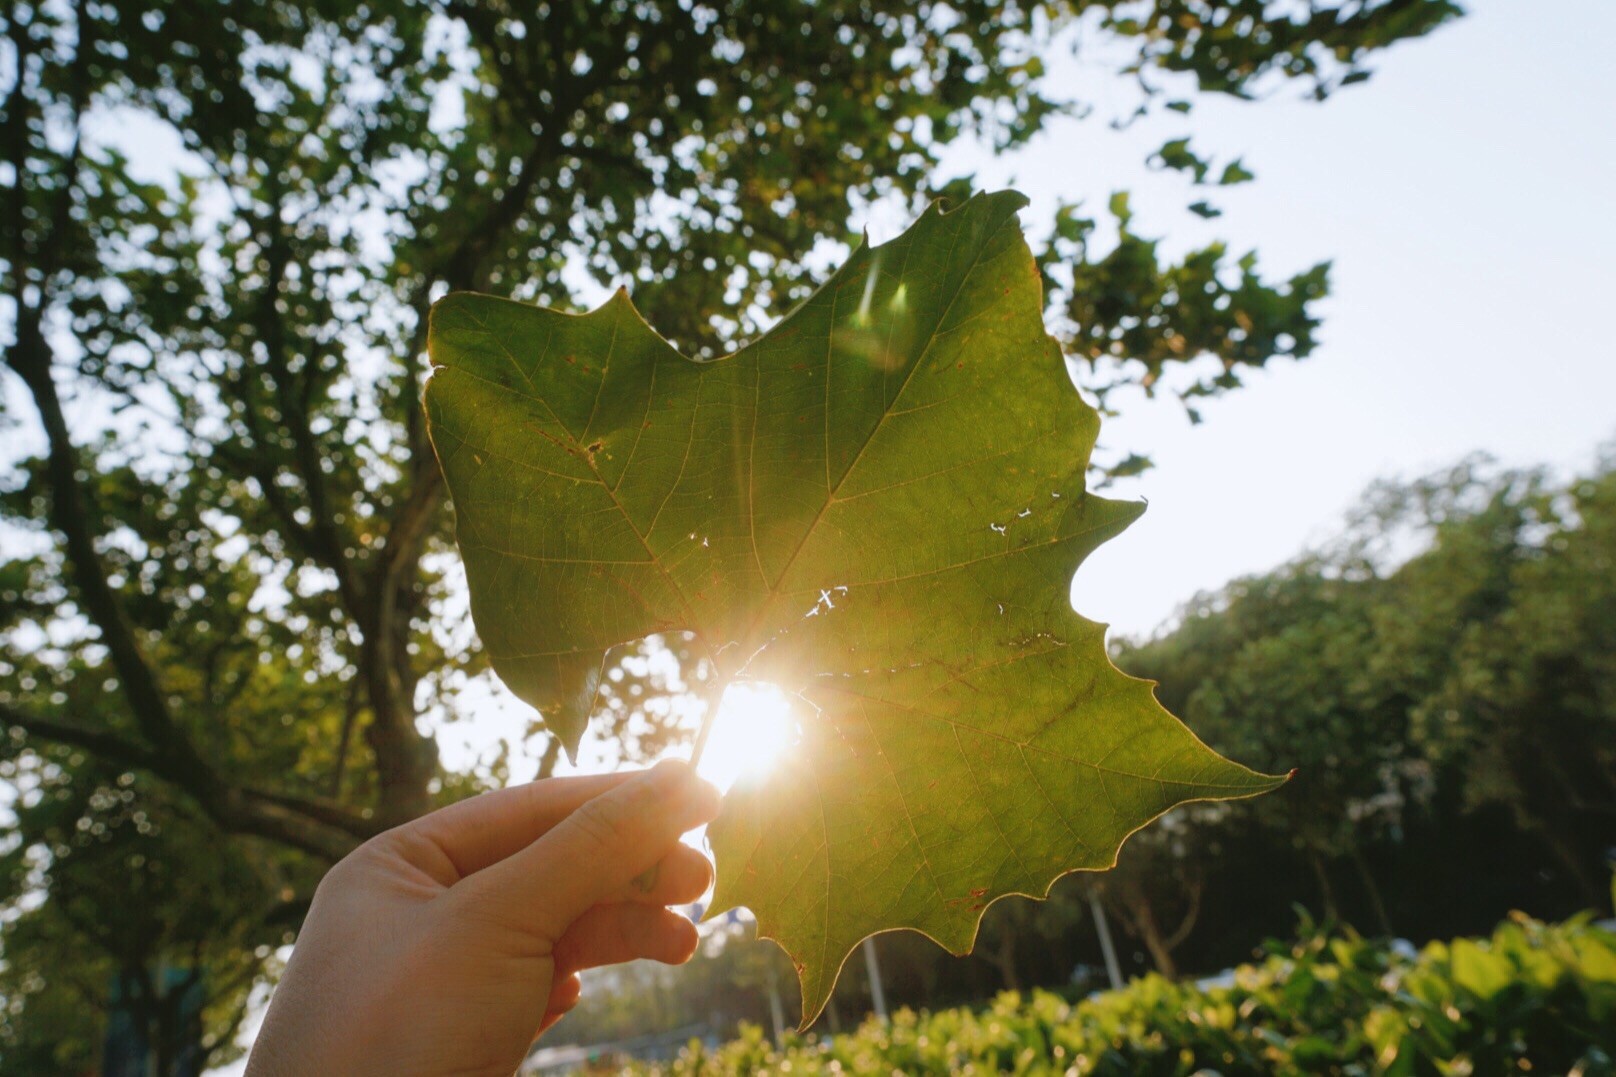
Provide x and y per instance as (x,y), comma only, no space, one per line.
(768,606)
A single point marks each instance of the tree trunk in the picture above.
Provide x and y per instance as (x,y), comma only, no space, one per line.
(1332,911)
(1150,933)
(1004,957)
(1566,853)
(551,756)
(1372,889)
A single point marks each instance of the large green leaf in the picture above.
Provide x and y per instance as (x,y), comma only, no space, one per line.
(877,506)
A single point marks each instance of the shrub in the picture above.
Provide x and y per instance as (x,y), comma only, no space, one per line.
(1533,998)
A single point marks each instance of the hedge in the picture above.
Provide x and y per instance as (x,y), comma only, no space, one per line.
(1534,998)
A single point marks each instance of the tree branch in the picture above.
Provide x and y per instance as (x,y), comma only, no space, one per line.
(167,751)
(1191,915)
(321,827)
(350,716)
(405,759)
(320,809)
(71,515)
(100,742)
(325,541)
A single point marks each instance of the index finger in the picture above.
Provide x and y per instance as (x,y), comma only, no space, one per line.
(596,850)
(480,831)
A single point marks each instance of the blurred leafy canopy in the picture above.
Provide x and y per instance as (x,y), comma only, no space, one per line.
(877,506)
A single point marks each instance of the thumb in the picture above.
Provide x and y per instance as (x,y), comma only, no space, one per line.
(597,850)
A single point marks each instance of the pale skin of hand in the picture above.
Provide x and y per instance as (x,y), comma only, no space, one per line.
(445,946)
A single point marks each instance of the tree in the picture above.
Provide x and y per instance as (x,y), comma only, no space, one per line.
(1450,714)
(1509,626)
(227,568)
(143,896)
(1156,889)
(1304,691)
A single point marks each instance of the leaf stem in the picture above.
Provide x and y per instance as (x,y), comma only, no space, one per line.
(714,696)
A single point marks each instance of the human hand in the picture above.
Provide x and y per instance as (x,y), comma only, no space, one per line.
(446,945)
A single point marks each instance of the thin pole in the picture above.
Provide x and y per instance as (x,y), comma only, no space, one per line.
(878,996)
(777,1010)
(1104,930)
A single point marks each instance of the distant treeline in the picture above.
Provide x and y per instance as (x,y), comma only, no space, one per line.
(1442,678)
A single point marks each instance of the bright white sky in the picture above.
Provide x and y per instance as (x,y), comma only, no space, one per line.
(1467,195)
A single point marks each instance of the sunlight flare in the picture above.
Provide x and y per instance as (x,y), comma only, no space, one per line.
(753,729)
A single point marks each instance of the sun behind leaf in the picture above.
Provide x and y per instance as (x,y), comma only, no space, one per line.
(751,735)
(878,507)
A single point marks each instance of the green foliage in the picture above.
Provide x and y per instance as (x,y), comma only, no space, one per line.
(142,878)
(1177,155)
(1534,997)
(877,506)
(1233,48)
(1464,690)
(1125,306)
